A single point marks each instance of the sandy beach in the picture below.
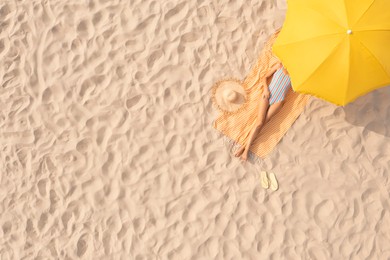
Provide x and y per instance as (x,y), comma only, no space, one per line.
(108,151)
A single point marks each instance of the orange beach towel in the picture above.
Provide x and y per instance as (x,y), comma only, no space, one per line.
(236,126)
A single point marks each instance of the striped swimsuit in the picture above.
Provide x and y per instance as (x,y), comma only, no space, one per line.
(279,86)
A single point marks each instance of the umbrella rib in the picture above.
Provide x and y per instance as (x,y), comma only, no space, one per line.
(368,8)
(369,30)
(308,39)
(380,63)
(349,73)
(330,54)
(327,18)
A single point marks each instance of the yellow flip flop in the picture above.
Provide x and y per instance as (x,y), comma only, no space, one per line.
(273,182)
(264,180)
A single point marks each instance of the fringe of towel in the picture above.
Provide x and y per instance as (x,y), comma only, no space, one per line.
(233,146)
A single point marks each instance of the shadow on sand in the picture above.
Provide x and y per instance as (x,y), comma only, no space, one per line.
(371,111)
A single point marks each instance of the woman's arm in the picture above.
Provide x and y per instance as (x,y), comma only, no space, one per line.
(273,69)
(266,92)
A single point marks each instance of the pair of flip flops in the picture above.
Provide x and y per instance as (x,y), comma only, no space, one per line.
(268,181)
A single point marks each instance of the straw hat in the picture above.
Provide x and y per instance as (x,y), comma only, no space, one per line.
(228,95)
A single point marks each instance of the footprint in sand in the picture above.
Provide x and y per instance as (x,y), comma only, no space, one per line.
(85,29)
(155,58)
(7,227)
(83,244)
(178,13)
(43,187)
(136,102)
(176,145)
(323,212)
(42,221)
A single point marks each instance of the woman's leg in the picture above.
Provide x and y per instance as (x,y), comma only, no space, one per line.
(261,120)
(262,112)
(273,109)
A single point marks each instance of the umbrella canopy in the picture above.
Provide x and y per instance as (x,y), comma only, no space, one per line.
(336,50)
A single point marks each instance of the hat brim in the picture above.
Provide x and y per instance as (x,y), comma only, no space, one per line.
(220,101)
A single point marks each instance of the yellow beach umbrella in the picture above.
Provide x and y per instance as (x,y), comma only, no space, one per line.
(336,50)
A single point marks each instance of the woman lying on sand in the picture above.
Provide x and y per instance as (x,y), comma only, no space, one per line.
(273,100)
